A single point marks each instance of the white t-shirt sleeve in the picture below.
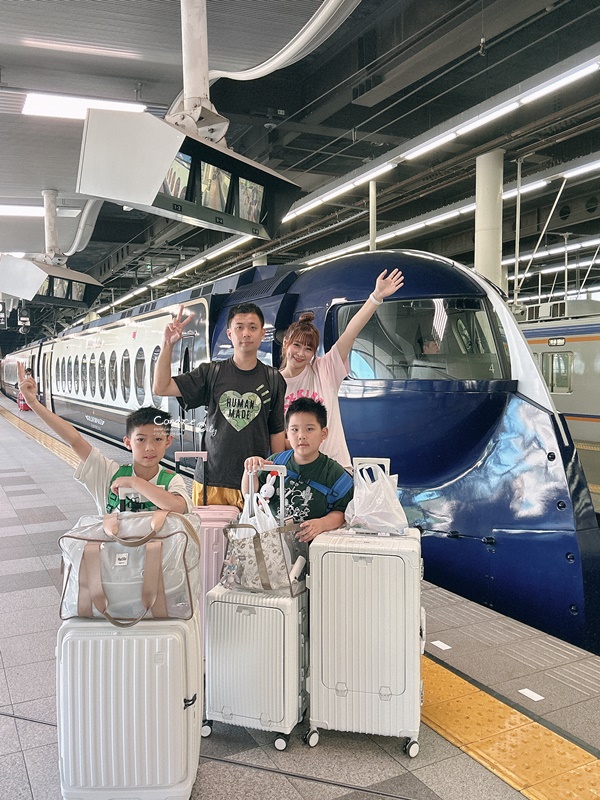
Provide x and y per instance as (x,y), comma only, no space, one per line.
(331,369)
(177,486)
(95,474)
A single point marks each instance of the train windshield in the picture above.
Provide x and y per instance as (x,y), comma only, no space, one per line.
(431,339)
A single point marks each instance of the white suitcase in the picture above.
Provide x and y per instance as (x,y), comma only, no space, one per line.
(256,660)
(129,705)
(366,635)
(256,656)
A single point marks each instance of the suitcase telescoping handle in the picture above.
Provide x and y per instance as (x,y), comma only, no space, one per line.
(179,454)
(188,454)
(282,472)
(384,463)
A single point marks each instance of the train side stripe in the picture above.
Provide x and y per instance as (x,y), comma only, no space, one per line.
(562,335)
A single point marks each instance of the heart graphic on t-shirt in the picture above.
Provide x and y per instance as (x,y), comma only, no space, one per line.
(239,409)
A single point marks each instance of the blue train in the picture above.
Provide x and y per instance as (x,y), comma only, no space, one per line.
(486,465)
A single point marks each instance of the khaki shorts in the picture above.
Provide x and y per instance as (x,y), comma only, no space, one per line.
(216,496)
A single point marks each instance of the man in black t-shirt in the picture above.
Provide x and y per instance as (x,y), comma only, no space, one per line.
(244,399)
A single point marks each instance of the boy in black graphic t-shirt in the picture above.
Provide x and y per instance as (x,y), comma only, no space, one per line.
(245,403)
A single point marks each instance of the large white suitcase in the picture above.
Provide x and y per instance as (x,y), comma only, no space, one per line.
(129,709)
(365,635)
(256,660)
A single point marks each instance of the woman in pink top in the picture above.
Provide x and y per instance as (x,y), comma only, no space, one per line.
(320,377)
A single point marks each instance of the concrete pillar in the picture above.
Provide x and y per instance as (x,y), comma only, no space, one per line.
(372,215)
(488,218)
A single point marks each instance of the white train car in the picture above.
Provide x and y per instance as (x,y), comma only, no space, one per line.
(567,350)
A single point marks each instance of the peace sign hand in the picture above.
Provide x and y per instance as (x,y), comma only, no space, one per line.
(174,330)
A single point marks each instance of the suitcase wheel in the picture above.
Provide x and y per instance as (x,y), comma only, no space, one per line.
(281,742)
(311,738)
(206,728)
(411,748)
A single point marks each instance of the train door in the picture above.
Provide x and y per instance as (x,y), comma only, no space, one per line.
(187,432)
(46,380)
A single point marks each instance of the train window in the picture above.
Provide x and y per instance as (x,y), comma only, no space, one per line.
(156,399)
(112,375)
(439,338)
(140,376)
(83,375)
(125,375)
(76,374)
(93,374)
(557,369)
(70,374)
(57,387)
(63,375)
(102,375)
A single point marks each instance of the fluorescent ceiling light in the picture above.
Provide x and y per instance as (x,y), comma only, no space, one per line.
(159,281)
(71,107)
(35,211)
(375,173)
(229,246)
(530,187)
(559,82)
(443,217)
(131,295)
(187,267)
(485,118)
(592,167)
(16,255)
(335,193)
(431,145)
(468,209)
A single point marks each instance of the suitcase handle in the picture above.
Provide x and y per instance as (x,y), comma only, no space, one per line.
(282,472)
(357,463)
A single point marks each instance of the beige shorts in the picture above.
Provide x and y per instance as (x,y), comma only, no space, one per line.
(217,496)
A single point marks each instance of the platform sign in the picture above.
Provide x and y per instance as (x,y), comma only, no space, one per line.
(3,317)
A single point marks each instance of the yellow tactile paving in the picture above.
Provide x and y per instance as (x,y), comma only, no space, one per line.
(531,758)
(471,718)
(578,784)
(439,684)
(50,443)
(528,755)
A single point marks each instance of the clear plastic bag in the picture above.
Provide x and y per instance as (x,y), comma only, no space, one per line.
(375,507)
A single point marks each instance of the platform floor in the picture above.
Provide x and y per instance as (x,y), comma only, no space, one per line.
(509,712)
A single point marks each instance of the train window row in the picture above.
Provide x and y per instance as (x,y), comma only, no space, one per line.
(86,375)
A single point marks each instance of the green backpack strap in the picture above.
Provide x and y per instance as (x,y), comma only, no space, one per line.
(165,476)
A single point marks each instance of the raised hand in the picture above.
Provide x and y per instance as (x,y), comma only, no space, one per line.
(174,330)
(384,287)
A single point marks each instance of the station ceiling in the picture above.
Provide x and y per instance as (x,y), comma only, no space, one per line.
(394,72)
